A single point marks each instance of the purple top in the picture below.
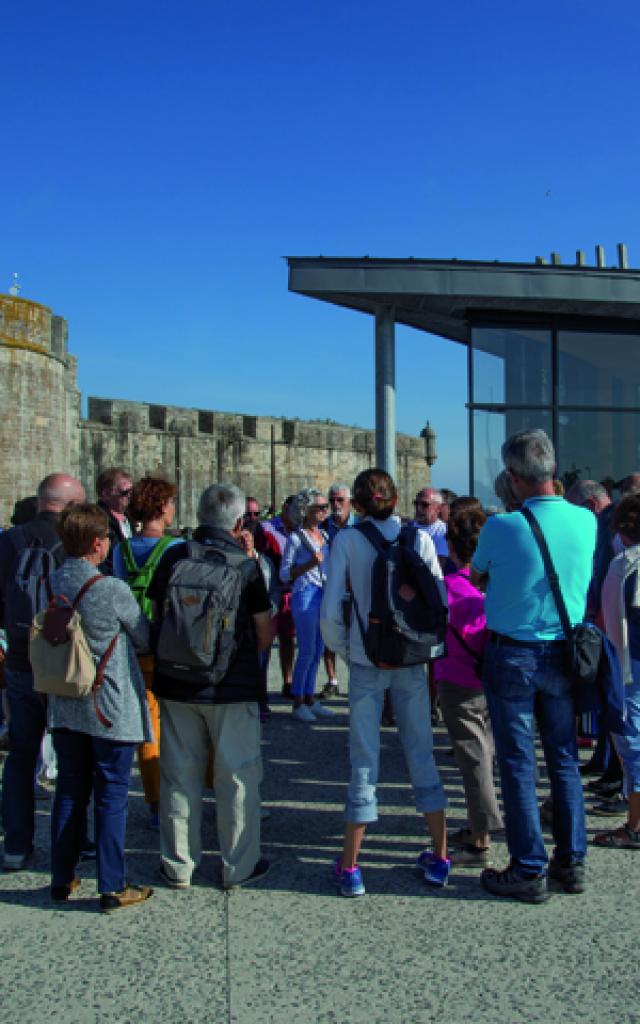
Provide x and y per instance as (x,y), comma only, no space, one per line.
(466,613)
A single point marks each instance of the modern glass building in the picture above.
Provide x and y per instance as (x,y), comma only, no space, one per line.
(580,383)
(549,345)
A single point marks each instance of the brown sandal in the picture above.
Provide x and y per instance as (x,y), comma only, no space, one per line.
(623,838)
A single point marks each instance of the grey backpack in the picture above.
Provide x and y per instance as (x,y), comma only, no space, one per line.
(197,637)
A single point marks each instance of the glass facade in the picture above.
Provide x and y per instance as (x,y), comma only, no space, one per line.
(581,386)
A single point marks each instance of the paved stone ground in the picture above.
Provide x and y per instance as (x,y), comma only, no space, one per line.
(292,951)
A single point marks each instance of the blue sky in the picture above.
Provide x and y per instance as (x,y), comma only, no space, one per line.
(159,160)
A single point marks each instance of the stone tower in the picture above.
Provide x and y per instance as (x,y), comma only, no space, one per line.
(39,400)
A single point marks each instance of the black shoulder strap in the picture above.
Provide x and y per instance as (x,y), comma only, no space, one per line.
(549,567)
(374,537)
(408,535)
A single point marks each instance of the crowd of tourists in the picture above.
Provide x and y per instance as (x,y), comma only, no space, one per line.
(123,636)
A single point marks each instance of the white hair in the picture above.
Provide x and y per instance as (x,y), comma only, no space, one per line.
(336,488)
(530,455)
(301,502)
(220,506)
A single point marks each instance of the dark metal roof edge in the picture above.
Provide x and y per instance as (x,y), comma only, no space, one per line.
(375,261)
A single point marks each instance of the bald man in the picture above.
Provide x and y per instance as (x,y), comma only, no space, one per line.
(26,708)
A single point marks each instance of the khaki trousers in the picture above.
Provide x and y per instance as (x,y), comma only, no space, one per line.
(466,717)
(187,732)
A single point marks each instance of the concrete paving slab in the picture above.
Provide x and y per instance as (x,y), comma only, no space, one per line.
(291,950)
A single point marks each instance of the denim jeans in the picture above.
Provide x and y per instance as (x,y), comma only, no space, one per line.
(85,763)
(522,683)
(305,607)
(629,744)
(410,698)
(28,720)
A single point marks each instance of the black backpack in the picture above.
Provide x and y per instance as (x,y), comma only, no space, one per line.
(28,590)
(197,637)
(408,616)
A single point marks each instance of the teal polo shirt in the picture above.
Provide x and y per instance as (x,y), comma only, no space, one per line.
(519,602)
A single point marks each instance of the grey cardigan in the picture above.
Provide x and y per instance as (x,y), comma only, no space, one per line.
(109,608)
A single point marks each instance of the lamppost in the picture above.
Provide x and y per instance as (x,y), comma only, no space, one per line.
(429,435)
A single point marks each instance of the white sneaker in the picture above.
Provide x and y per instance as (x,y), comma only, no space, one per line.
(321,711)
(304,713)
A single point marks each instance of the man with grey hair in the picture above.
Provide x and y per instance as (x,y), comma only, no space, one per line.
(589,494)
(341,516)
(524,674)
(196,713)
(27,553)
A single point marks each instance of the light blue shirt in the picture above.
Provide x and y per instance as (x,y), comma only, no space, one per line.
(519,601)
(298,552)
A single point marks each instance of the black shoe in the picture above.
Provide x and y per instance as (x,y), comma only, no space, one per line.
(570,876)
(286,690)
(61,893)
(605,789)
(470,856)
(511,886)
(329,691)
(609,808)
(260,870)
(592,767)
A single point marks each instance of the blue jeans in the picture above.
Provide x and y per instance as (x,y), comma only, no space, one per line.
(85,763)
(410,697)
(27,724)
(305,608)
(520,683)
(629,744)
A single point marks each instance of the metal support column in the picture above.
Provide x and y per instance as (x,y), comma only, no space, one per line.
(386,390)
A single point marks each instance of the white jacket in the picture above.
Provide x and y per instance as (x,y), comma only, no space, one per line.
(614,606)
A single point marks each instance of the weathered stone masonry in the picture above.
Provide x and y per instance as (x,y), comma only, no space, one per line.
(41,430)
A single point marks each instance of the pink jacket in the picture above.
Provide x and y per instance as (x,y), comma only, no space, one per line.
(466,613)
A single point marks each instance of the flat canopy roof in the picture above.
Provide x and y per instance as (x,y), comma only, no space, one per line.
(445,296)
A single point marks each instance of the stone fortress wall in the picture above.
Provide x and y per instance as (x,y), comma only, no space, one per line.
(42,431)
(39,400)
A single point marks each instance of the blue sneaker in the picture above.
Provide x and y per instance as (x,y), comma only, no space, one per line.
(435,869)
(348,880)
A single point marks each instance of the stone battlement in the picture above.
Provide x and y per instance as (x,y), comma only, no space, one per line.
(269,457)
(143,416)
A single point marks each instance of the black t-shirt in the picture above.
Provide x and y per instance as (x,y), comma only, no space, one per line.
(243,681)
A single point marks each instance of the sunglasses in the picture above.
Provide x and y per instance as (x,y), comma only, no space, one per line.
(320,508)
(425,504)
